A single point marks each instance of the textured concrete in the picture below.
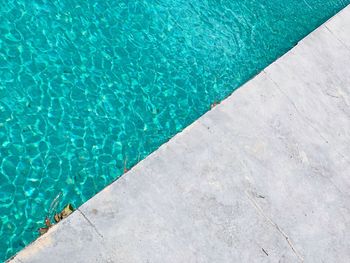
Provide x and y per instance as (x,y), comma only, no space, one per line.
(263,177)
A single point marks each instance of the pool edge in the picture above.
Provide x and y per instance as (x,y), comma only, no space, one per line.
(79,217)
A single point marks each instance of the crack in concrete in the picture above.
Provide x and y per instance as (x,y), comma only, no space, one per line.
(332,96)
(261,211)
(90,223)
(308,122)
(111,252)
(336,37)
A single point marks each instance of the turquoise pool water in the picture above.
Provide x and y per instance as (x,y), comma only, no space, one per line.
(88,87)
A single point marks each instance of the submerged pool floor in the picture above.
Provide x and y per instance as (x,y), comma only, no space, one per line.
(89,88)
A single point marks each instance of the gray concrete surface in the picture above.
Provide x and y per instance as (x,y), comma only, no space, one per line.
(263,177)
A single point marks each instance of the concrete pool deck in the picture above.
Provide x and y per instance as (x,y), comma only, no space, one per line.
(262,177)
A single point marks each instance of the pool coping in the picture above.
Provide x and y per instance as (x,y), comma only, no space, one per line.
(138,192)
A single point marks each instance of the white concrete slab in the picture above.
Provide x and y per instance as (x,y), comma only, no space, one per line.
(193,214)
(263,177)
(290,164)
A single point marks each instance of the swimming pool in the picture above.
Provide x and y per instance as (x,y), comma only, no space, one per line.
(89,88)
